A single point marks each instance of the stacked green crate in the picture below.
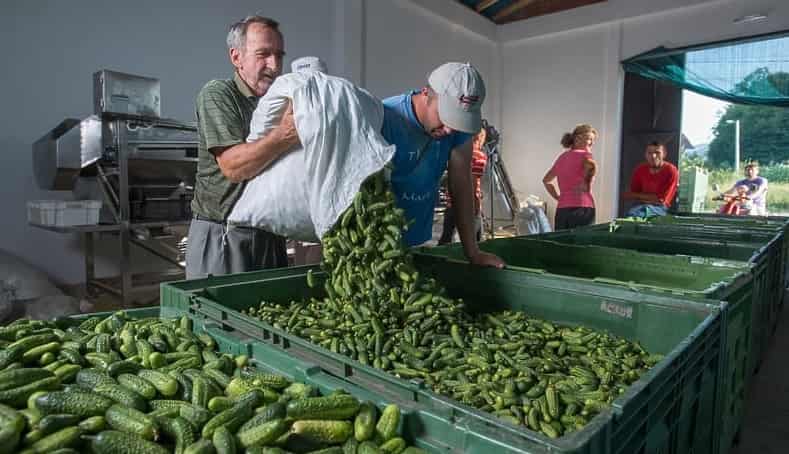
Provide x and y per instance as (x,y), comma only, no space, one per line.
(713,279)
(692,189)
(667,410)
(666,240)
(767,232)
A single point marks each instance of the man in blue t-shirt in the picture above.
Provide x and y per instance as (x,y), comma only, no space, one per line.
(431,128)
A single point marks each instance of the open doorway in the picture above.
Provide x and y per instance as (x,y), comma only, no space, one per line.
(726,118)
(728,146)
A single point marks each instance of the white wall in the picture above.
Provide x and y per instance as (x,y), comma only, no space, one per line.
(51,48)
(562,69)
(549,85)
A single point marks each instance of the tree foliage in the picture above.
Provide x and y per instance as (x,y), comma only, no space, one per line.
(764,131)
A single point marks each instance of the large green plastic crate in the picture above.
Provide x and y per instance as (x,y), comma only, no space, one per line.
(650,273)
(668,410)
(763,258)
(763,224)
(272,359)
(765,232)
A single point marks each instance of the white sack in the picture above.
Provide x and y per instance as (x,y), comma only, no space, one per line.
(304,193)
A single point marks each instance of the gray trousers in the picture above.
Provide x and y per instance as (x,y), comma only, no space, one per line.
(217,249)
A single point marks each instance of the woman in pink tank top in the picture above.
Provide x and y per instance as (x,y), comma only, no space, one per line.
(574,171)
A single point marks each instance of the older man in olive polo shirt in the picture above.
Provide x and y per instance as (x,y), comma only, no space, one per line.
(225,160)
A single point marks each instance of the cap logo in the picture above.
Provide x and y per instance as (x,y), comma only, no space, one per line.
(467,102)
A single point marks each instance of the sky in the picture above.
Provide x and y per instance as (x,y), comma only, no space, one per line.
(699,115)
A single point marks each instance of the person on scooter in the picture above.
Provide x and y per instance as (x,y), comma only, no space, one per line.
(757,190)
(653,184)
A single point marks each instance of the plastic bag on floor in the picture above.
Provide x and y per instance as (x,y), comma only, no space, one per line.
(49,307)
(22,281)
(305,192)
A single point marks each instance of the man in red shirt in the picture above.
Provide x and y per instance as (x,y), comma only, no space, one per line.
(478,161)
(654,184)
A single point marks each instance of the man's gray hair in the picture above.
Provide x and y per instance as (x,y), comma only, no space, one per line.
(237,36)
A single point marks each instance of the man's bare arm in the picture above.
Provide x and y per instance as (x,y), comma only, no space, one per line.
(243,161)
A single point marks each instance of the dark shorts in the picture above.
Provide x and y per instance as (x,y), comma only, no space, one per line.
(448,232)
(216,249)
(572,217)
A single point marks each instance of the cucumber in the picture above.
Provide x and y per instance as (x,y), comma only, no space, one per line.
(65,451)
(262,434)
(197,416)
(123,396)
(94,424)
(233,417)
(221,378)
(368,447)
(184,386)
(115,442)
(31,437)
(224,441)
(46,359)
(12,423)
(219,403)
(72,356)
(92,377)
(144,350)
(350,446)
(413,450)
(138,385)
(394,446)
(166,385)
(200,391)
(52,423)
(364,424)
(19,377)
(52,367)
(127,366)
(67,372)
(164,413)
(26,343)
(33,354)
(132,421)
(200,447)
(299,391)
(269,413)
(82,404)
(16,397)
(103,344)
(32,417)
(331,450)
(64,438)
(179,430)
(323,431)
(387,425)
(274,381)
(338,407)
(10,355)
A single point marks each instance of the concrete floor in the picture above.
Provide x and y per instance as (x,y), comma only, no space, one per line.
(765,429)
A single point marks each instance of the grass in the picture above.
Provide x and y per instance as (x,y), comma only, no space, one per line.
(777,194)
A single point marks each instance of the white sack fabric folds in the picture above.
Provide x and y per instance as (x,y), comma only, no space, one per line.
(304,193)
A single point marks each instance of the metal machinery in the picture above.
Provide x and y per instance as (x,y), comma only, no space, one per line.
(142,166)
(497,190)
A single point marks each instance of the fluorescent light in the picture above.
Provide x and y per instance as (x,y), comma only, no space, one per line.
(750,18)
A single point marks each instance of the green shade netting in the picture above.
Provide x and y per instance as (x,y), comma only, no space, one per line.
(746,71)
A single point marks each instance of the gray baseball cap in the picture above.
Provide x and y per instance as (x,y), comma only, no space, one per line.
(461,93)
